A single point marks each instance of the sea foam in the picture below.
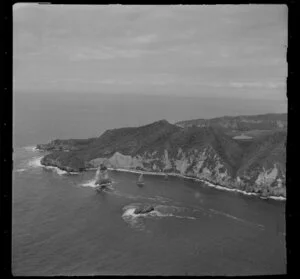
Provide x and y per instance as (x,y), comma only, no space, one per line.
(35,162)
(90,183)
(31,148)
(57,170)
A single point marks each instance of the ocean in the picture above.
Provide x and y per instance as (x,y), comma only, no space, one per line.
(62,226)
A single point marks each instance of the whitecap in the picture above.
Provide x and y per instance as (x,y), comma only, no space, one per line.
(277,198)
(90,183)
(132,219)
(56,169)
(129,212)
(35,162)
(59,171)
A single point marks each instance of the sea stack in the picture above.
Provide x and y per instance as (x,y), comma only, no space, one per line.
(102,175)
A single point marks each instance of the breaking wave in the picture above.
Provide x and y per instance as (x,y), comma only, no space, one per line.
(161,211)
(89,183)
(35,162)
(92,183)
(31,148)
(60,171)
(57,170)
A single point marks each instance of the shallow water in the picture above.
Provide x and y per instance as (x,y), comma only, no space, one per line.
(61,225)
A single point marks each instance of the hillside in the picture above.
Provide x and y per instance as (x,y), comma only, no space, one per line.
(207,152)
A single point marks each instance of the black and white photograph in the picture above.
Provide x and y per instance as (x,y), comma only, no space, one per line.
(149,140)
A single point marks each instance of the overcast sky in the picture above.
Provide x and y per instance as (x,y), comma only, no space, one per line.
(223,50)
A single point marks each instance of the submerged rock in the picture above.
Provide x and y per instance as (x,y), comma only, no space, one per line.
(144,209)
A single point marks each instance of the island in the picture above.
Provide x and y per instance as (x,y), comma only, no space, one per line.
(246,153)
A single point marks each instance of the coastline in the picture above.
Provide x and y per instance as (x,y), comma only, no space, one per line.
(208,183)
(36,162)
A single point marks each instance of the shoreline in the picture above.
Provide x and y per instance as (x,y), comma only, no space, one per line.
(208,183)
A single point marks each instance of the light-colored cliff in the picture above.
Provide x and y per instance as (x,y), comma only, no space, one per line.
(203,164)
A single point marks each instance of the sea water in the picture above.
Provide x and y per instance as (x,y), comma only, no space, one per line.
(62,226)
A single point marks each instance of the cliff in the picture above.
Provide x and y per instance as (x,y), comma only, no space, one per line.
(209,152)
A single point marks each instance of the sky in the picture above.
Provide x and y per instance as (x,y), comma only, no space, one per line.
(228,51)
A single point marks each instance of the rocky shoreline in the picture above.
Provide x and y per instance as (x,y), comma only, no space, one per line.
(207,182)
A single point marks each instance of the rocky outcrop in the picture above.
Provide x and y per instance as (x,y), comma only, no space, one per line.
(102,177)
(144,209)
(65,161)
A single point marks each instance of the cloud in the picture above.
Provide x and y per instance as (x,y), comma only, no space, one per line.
(145,39)
(79,54)
(104,53)
(267,85)
(168,79)
(232,48)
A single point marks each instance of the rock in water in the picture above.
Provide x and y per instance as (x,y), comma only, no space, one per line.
(102,177)
(144,209)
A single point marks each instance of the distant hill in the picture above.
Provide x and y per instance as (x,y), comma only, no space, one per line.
(241,123)
(205,149)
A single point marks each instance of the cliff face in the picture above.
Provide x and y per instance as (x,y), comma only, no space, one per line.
(256,165)
(205,164)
